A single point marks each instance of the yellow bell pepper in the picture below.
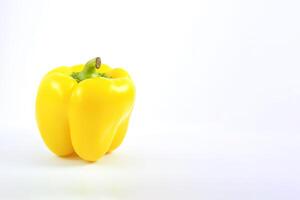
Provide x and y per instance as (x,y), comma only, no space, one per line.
(84,109)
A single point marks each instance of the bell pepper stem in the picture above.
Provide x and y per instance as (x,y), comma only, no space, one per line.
(89,70)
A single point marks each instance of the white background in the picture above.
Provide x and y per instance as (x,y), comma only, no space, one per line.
(217,108)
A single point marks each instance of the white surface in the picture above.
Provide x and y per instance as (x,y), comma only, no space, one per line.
(217,108)
(217,166)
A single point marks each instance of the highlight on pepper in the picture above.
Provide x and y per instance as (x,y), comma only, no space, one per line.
(84,109)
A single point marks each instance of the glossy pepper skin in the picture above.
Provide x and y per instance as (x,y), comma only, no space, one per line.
(84,109)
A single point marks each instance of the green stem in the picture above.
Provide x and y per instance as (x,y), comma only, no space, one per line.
(89,70)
